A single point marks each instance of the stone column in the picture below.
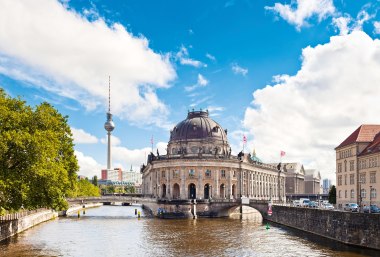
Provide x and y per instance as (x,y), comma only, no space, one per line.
(200,189)
(216,185)
(229,186)
(183,193)
(167,175)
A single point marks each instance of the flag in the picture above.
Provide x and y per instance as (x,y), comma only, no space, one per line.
(282,153)
(244,139)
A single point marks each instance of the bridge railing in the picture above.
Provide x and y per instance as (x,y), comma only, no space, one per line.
(20,214)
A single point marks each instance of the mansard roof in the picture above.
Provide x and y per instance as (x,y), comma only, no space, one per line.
(373,147)
(365,133)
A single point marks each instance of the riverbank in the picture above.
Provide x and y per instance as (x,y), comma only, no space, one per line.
(17,225)
(12,227)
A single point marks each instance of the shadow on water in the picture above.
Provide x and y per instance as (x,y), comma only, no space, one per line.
(333,245)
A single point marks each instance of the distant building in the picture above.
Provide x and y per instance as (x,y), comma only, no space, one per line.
(294,178)
(358,165)
(312,181)
(112,174)
(326,185)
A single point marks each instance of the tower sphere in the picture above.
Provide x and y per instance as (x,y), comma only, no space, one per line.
(109,125)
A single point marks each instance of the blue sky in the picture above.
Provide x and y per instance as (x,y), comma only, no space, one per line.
(288,74)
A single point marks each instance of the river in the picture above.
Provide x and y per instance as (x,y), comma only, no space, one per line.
(115,231)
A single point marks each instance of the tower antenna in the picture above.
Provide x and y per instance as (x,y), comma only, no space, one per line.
(109,94)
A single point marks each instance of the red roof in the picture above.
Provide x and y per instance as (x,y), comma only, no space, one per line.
(373,147)
(365,133)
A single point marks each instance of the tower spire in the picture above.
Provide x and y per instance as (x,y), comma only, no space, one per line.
(109,126)
(109,94)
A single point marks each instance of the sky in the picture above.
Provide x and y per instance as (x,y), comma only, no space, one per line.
(295,76)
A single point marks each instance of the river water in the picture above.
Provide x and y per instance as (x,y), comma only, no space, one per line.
(115,231)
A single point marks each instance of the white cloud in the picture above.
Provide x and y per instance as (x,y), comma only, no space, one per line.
(82,137)
(115,141)
(346,24)
(88,166)
(376,25)
(298,12)
(183,57)
(63,52)
(239,70)
(201,82)
(135,157)
(308,114)
(211,57)
(342,24)
(215,111)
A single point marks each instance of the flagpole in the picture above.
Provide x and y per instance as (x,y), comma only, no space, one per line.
(151,141)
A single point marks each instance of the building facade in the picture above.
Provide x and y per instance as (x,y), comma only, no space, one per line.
(199,165)
(312,181)
(326,185)
(357,167)
(294,178)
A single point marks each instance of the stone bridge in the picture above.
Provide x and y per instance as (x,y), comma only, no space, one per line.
(179,208)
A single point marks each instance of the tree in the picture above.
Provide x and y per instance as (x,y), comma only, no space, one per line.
(95,180)
(85,188)
(37,162)
(332,195)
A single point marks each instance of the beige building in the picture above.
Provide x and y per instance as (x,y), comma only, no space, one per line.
(312,182)
(357,166)
(294,178)
(199,165)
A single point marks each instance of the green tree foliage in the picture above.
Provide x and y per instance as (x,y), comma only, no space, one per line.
(332,195)
(37,162)
(85,188)
(95,180)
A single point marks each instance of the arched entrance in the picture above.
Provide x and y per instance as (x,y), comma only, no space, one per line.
(176,191)
(192,191)
(234,191)
(163,194)
(207,191)
(222,191)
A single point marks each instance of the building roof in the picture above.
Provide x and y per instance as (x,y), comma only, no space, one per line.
(312,174)
(294,167)
(373,147)
(365,133)
(198,125)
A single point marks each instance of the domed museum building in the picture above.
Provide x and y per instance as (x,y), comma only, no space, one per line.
(199,165)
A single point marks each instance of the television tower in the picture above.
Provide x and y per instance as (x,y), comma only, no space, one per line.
(109,125)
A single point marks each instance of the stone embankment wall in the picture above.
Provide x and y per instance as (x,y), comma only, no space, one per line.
(12,227)
(360,229)
(76,208)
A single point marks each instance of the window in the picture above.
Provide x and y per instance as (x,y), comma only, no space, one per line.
(339,180)
(339,167)
(362,178)
(363,193)
(345,166)
(345,194)
(373,193)
(372,177)
(175,173)
(352,179)
(223,173)
(345,179)
(352,165)
(234,174)
(339,195)
(163,173)
(352,193)
(208,173)
(191,173)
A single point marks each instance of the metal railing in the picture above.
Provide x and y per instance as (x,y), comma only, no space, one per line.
(20,214)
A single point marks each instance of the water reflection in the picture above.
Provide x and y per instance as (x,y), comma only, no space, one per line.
(115,231)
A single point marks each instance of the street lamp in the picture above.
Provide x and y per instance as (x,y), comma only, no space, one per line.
(360,194)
